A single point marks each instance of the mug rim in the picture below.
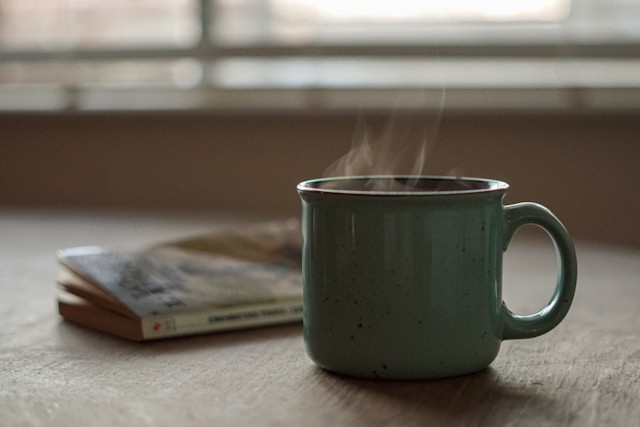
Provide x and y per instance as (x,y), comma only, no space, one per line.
(475,185)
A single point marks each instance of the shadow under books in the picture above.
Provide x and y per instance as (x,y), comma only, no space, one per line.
(73,336)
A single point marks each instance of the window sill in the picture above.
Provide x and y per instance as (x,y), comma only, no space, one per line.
(459,84)
(56,99)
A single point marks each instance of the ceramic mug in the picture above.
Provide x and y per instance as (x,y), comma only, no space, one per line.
(402,274)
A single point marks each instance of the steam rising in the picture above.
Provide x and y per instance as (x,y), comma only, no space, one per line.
(401,147)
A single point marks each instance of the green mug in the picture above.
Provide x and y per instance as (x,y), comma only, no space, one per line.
(402,274)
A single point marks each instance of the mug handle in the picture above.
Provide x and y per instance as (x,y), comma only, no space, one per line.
(515,326)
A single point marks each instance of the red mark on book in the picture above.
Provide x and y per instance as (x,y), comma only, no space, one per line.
(157,326)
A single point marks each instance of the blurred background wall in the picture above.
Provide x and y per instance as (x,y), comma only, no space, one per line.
(584,167)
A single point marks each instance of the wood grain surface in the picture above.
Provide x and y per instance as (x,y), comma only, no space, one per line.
(586,372)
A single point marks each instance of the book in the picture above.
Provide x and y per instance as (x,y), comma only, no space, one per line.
(235,277)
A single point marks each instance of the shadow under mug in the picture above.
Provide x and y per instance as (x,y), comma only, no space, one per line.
(402,274)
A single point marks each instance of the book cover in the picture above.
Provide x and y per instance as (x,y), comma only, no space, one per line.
(236,277)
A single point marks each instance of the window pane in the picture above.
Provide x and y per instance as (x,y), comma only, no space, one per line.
(69,24)
(174,72)
(303,21)
(422,11)
(455,73)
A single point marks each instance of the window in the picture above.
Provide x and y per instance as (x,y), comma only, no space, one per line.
(300,54)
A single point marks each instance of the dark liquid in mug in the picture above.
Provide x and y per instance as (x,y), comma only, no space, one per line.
(402,184)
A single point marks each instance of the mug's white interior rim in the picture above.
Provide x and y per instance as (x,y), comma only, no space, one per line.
(418,185)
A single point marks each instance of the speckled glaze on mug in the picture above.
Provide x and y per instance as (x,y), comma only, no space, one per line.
(405,282)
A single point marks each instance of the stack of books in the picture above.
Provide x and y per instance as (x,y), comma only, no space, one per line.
(235,277)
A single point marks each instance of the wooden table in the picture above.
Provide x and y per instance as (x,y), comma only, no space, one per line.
(585,372)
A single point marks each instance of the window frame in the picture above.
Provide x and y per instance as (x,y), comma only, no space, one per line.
(208,94)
